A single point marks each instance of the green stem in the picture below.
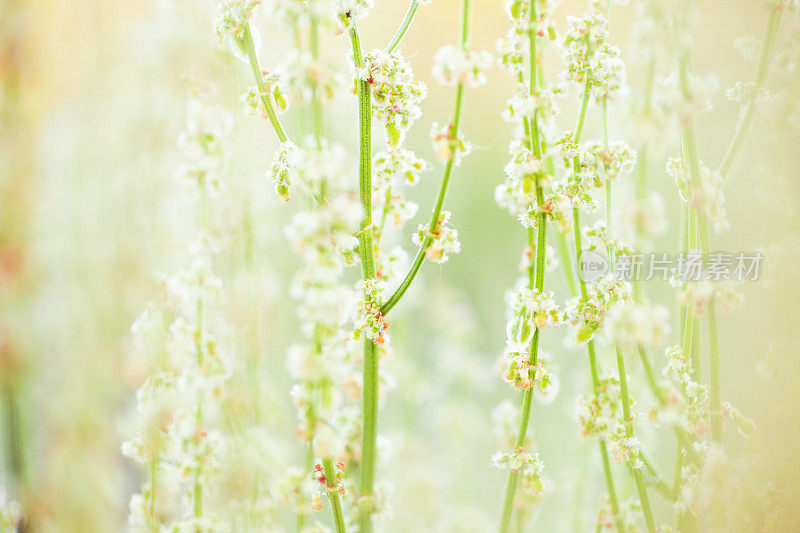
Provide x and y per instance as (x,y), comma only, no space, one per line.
(316,104)
(535,280)
(151,503)
(199,354)
(612,495)
(689,137)
(576,228)
(644,500)
(247,43)
(762,67)
(628,419)
(401,31)
(333,494)
(716,405)
(656,480)
(437,209)
(369,400)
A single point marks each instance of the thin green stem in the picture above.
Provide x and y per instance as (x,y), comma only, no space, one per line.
(437,209)
(762,68)
(331,486)
(714,374)
(249,47)
(628,420)
(401,31)
(612,495)
(683,437)
(535,277)
(656,480)
(151,504)
(576,228)
(641,489)
(316,104)
(689,137)
(369,401)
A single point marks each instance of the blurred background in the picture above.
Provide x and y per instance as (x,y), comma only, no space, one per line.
(92,97)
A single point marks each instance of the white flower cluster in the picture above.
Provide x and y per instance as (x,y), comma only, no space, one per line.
(708,197)
(284,170)
(590,315)
(204,147)
(449,145)
(347,12)
(176,430)
(453,65)
(370,322)
(441,241)
(276,93)
(522,374)
(690,397)
(529,466)
(395,95)
(638,325)
(392,169)
(672,101)
(233,18)
(324,237)
(513,47)
(644,220)
(529,310)
(305,77)
(699,294)
(615,160)
(590,56)
(599,414)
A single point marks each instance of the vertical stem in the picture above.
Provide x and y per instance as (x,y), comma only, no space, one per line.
(535,275)
(714,374)
(576,227)
(316,104)
(641,489)
(628,420)
(689,136)
(369,400)
(331,485)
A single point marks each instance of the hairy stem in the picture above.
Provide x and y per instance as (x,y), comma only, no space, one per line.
(369,400)
(333,494)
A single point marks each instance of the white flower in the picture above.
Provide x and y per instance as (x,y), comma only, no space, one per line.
(395,96)
(347,12)
(453,65)
(441,241)
(708,196)
(233,18)
(449,145)
(369,320)
(284,169)
(636,325)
